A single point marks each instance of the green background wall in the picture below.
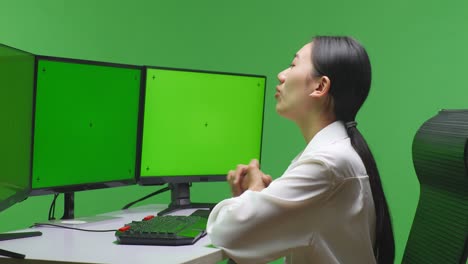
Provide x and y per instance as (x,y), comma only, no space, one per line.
(417,48)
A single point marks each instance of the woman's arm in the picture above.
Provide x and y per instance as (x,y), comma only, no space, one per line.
(259,226)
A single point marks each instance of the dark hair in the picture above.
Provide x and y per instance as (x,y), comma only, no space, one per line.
(346,63)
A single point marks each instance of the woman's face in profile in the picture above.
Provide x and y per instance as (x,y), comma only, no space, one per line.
(294,85)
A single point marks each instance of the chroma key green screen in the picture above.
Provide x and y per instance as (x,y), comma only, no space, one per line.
(200,123)
(86,124)
(16,114)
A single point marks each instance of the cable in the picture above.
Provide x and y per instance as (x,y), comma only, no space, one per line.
(165,189)
(74,228)
(52,207)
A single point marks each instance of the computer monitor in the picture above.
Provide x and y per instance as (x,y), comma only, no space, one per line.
(85,126)
(198,125)
(16,114)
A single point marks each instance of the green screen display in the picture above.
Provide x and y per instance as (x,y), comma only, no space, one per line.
(16,99)
(200,123)
(86,124)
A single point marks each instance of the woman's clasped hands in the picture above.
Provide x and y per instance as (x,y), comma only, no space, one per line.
(247,177)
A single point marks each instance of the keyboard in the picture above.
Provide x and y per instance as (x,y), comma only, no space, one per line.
(167,230)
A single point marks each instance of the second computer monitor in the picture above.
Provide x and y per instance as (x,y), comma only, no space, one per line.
(198,125)
(86,125)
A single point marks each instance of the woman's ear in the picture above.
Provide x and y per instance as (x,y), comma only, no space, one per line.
(321,87)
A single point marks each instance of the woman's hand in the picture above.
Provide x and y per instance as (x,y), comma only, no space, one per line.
(255,179)
(247,177)
(235,178)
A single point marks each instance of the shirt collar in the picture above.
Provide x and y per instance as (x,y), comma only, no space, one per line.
(328,135)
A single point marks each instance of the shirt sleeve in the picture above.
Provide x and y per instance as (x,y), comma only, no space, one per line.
(257,227)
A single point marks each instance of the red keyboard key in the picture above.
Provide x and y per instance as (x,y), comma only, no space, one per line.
(125,228)
(148,217)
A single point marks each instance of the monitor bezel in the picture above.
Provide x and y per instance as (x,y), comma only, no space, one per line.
(160,180)
(96,185)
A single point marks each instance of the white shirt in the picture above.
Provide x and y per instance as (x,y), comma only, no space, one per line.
(319,211)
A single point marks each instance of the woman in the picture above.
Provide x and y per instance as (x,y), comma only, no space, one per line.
(329,205)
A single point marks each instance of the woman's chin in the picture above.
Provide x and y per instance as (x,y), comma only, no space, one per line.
(279,110)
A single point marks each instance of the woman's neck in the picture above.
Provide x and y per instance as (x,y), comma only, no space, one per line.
(311,126)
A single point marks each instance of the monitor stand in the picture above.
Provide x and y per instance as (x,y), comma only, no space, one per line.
(68,206)
(68,217)
(180,199)
(8,236)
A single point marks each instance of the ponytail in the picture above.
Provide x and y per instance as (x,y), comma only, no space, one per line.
(384,248)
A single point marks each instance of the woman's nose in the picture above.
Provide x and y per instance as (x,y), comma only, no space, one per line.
(282,76)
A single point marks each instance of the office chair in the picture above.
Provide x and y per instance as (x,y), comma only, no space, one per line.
(440,157)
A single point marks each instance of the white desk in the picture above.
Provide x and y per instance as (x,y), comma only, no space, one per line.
(60,244)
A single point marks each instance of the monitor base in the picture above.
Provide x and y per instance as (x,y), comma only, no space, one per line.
(173,208)
(11,254)
(180,199)
(8,236)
